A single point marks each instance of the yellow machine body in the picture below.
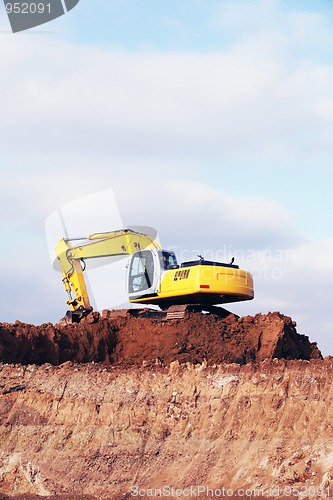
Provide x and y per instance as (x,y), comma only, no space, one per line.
(196,282)
(208,283)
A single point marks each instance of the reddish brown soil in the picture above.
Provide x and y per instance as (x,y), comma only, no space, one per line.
(132,341)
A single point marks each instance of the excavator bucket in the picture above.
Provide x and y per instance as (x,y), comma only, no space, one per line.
(73,317)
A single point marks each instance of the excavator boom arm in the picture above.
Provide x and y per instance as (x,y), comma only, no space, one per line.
(122,242)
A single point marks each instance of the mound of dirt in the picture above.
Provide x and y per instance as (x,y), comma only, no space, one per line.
(130,341)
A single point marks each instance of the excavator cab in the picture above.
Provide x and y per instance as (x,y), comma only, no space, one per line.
(145,271)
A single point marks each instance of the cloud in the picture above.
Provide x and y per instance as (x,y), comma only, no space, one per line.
(202,218)
(249,103)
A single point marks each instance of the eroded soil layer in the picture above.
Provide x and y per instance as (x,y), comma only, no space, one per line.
(88,430)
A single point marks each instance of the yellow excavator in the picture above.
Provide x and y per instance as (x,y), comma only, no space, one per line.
(154,276)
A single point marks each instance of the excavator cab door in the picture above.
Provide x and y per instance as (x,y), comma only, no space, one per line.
(145,271)
(143,274)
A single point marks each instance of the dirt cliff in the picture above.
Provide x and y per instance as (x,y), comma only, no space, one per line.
(103,431)
(129,407)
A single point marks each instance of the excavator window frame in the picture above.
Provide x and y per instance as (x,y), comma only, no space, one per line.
(168,260)
(145,274)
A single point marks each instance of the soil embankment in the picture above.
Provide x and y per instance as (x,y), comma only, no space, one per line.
(129,407)
(130,341)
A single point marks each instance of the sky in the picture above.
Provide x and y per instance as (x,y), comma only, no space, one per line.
(211,121)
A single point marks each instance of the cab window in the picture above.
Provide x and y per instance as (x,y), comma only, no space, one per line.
(168,260)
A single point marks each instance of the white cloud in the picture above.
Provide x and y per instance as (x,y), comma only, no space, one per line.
(195,217)
(245,104)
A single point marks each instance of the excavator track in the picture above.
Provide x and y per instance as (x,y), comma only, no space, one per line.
(178,311)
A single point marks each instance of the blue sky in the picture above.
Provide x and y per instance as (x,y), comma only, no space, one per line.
(210,120)
(188,25)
